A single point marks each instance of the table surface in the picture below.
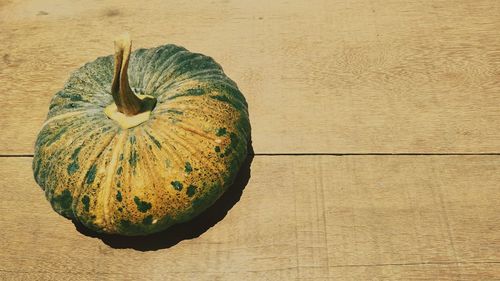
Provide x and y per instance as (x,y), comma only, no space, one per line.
(375,126)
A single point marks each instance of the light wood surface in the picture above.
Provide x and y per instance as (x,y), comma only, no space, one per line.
(335,76)
(307,217)
(320,76)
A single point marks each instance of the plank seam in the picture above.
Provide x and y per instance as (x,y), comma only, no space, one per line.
(382,154)
(339,154)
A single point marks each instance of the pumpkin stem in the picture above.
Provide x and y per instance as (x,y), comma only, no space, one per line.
(125,99)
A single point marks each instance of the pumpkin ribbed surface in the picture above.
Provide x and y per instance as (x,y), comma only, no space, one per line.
(164,171)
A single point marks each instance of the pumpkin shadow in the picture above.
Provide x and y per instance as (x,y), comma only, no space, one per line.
(183,231)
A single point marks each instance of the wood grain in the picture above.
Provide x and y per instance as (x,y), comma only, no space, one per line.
(320,76)
(362,76)
(308,218)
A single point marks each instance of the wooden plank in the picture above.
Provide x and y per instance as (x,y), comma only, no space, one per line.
(419,272)
(320,76)
(308,217)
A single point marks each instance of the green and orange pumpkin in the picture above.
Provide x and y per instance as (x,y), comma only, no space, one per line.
(138,141)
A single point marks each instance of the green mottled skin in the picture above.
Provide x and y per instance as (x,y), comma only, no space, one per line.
(177,185)
(188,168)
(165,171)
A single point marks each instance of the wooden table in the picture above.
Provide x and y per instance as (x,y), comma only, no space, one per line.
(376,131)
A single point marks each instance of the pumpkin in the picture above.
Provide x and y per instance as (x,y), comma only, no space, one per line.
(138,141)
